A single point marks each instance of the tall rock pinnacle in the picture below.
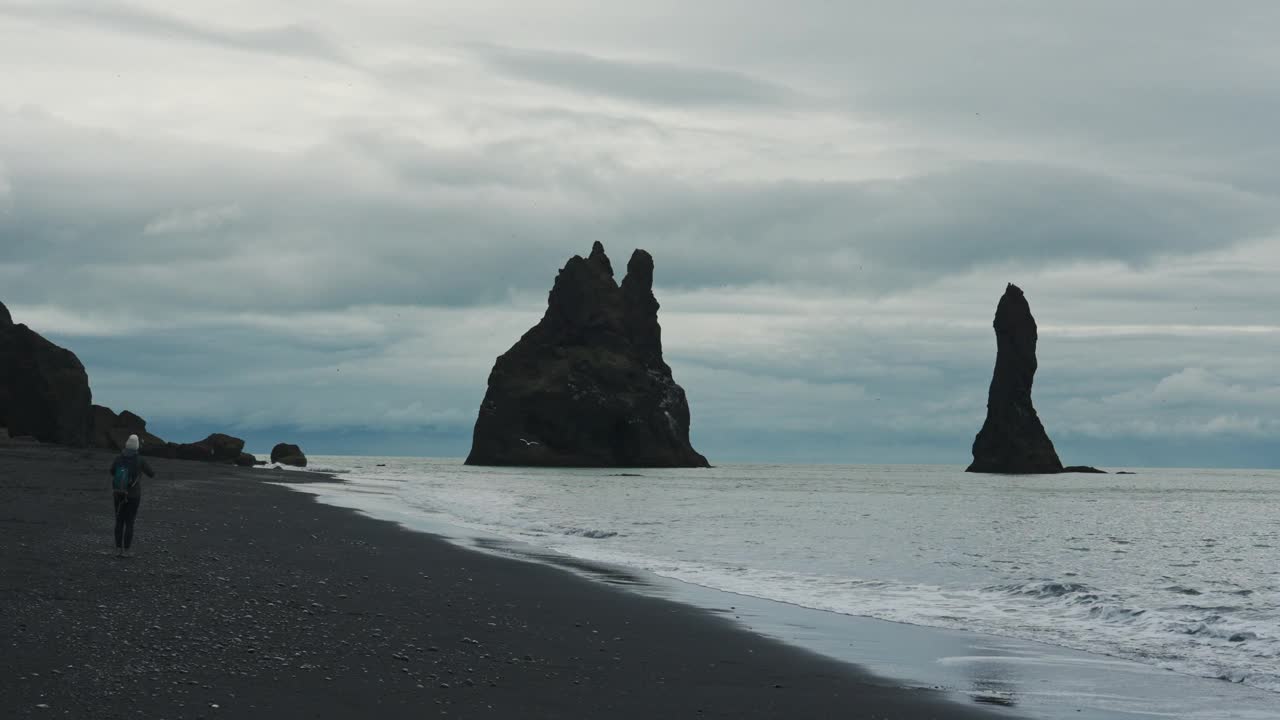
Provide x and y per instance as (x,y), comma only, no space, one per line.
(1012,440)
(587,386)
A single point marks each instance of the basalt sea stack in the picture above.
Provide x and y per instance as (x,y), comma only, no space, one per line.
(587,386)
(44,390)
(1012,440)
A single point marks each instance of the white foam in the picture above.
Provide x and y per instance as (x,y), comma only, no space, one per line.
(791,541)
(1193,642)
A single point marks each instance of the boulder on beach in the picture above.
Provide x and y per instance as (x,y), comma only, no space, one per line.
(587,386)
(110,431)
(44,390)
(168,451)
(287,454)
(218,447)
(222,448)
(225,447)
(1012,440)
(193,451)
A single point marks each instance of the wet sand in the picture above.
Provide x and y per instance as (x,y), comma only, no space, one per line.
(245,599)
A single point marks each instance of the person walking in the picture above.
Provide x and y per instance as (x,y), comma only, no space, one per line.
(126,491)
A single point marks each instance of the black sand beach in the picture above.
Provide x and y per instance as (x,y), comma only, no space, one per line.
(246,600)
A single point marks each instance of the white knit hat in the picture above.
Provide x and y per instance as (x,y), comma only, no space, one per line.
(131,443)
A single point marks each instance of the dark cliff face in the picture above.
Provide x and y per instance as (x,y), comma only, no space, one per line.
(44,390)
(587,386)
(1012,440)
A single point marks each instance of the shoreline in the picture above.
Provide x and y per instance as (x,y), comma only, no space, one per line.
(247,599)
(1038,679)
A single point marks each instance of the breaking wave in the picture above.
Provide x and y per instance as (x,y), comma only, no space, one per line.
(589,533)
(1191,602)
(1216,641)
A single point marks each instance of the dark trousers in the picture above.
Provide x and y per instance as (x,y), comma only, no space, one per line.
(126,511)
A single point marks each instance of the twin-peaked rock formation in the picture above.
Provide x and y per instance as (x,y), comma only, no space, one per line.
(1012,440)
(587,386)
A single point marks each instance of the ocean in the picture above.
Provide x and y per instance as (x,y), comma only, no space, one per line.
(1169,568)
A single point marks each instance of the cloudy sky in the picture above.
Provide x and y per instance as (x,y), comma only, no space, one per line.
(322,220)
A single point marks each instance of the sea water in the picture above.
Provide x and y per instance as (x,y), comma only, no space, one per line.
(1176,569)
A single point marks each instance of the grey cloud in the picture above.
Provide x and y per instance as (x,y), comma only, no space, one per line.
(389,219)
(1156,392)
(6,192)
(292,39)
(1118,162)
(199,220)
(866,381)
(887,234)
(1019,212)
(1173,85)
(653,82)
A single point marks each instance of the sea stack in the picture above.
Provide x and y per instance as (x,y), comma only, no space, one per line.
(587,386)
(44,390)
(1012,440)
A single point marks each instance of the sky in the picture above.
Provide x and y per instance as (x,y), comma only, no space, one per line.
(321,221)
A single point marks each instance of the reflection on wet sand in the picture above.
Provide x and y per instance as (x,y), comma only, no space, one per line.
(1024,679)
(606,573)
(991,681)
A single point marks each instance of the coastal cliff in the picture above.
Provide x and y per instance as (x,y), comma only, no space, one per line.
(44,390)
(587,386)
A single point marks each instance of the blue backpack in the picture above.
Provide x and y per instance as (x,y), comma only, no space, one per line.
(122,479)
